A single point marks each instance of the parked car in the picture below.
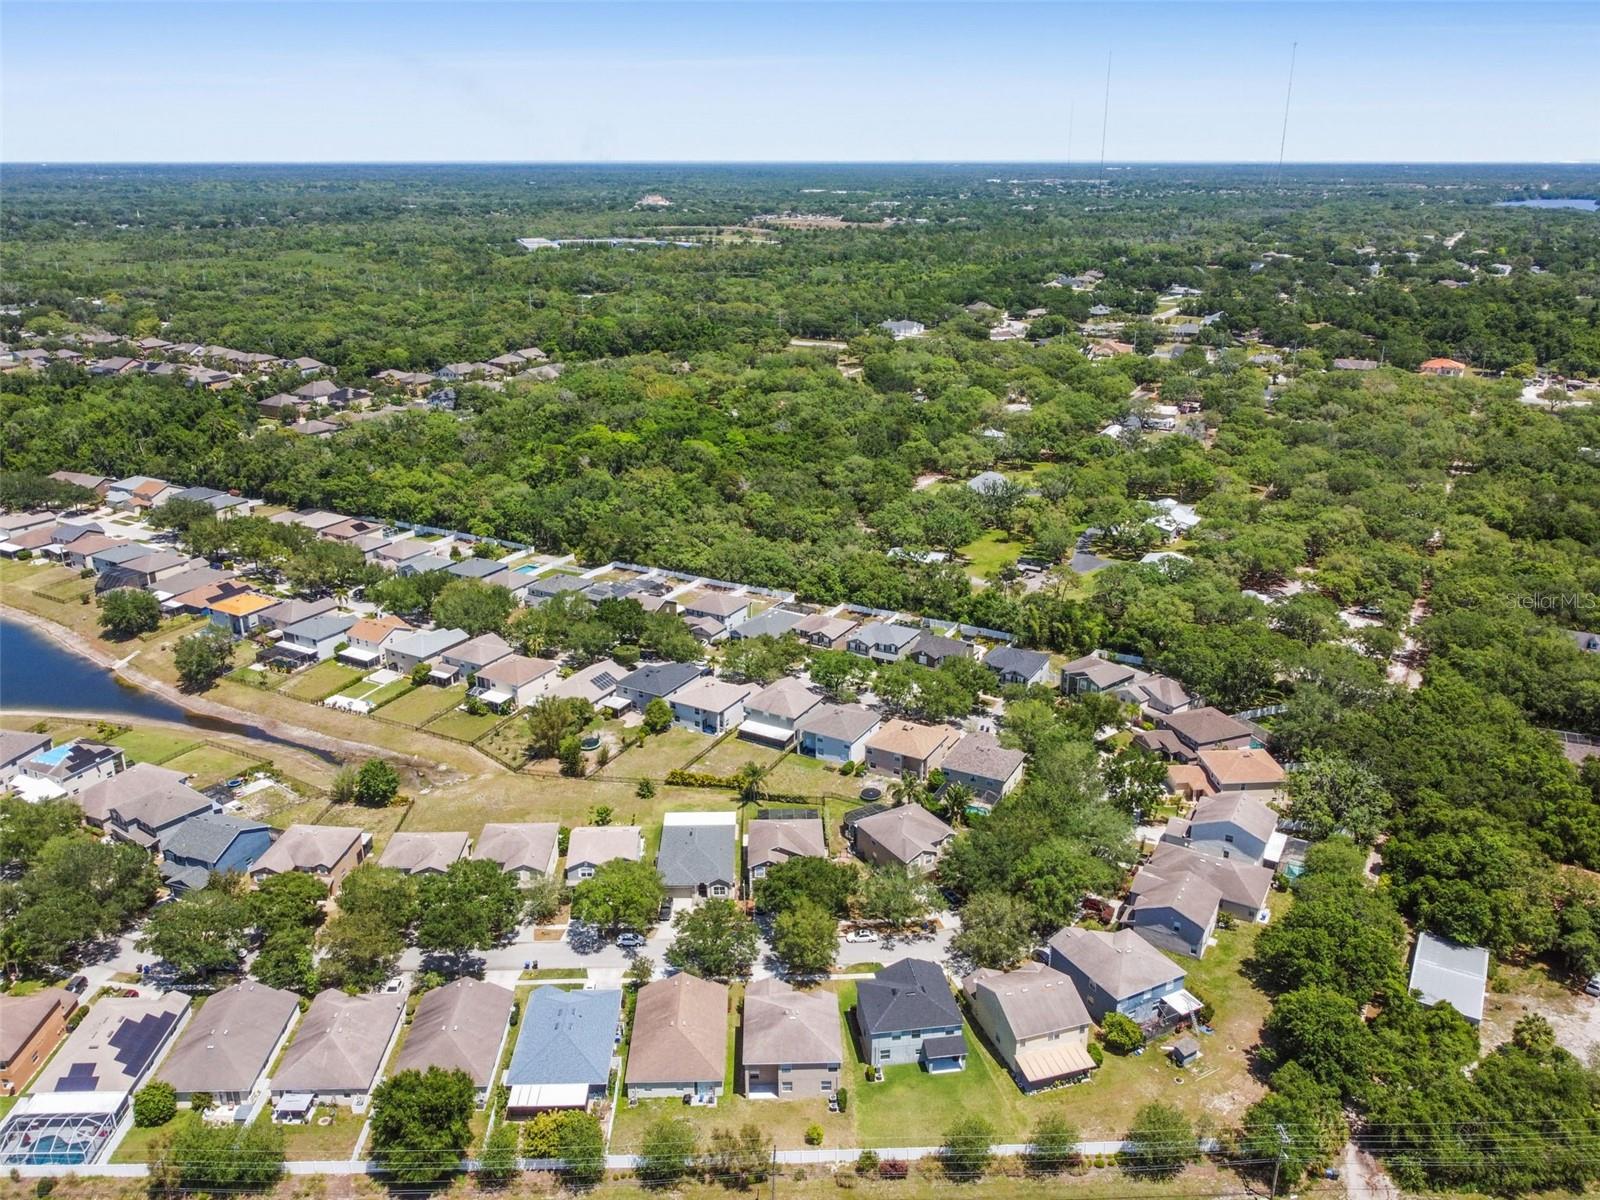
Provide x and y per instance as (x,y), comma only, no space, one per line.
(630,941)
(1592,988)
(665,912)
(861,935)
(77,984)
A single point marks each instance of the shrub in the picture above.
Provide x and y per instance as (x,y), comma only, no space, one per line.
(154,1104)
(1121,1034)
(893,1168)
(678,777)
(867,1163)
(44,1187)
(814,1135)
(1097,1052)
(968,1147)
(202,1102)
(844,1100)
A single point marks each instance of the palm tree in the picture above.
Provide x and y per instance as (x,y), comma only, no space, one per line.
(906,790)
(751,782)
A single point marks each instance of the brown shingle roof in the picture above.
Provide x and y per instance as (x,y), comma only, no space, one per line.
(782,1025)
(680,1031)
(458,1026)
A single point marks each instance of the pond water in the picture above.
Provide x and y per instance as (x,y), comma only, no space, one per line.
(1578,203)
(35,672)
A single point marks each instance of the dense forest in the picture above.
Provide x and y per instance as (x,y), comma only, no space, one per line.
(686,431)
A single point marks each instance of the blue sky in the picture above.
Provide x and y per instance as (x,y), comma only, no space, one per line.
(873,80)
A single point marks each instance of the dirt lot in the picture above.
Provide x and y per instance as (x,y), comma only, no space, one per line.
(1574,1016)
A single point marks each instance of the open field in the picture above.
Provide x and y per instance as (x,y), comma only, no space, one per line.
(211,764)
(994,550)
(458,723)
(797,775)
(660,753)
(153,745)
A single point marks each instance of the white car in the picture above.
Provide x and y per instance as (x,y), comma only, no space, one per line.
(861,935)
(630,941)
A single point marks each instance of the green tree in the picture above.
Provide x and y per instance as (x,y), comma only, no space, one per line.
(807,880)
(838,673)
(421,1123)
(497,1165)
(715,940)
(1299,1126)
(198,1157)
(895,896)
(359,951)
(1121,1033)
(1331,794)
(203,658)
(1052,1145)
(155,1103)
(469,907)
(805,938)
(200,932)
(666,1152)
(1161,1142)
(580,1144)
(1323,1031)
(474,606)
(26,827)
(76,892)
(968,1148)
(621,895)
(377,783)
(570,752)
(345,786)
(996,930)
(127,612)
(657,716)
(739,1158)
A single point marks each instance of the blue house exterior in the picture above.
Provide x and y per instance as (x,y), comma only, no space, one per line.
(1120,972)
(565,1044)
(211,842)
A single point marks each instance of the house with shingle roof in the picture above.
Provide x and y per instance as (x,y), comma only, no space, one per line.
(591,846)
(980,762)
(709,704)
(368,637)
(31,1026)
(680,1040)
(1175,898)
(1037,1021)
(775,622)
(899,747)
(566,1048)
(655,681)
(142,804)
(791,1044)
(514,681)
(406,652)
(423,853)
(836,733)
(228,1045)
(772,840)
(339,1050)
(469,657)
(211,841)
(1208,729)
(1242,770)
(906,835)
(595,683)
(1017,666)
(1119,971)
(697,854)
(931,649)
(527,850)
(726,608)
(771,714)
(906,1013)
(69,768)
(315,639)
(1226,825)
(16,747)
(461,1026)
(882,641)
(825,632)
(325,852)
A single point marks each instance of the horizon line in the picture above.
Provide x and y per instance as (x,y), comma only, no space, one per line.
(795,162)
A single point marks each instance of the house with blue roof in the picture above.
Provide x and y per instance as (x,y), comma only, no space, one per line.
(208,842)
(566,1047)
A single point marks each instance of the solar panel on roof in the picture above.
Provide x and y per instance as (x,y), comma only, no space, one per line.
(137,1041)
(80,1077)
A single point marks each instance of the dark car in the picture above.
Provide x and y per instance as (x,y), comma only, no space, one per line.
(77,984)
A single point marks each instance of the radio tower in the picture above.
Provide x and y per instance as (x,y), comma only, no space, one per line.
(1283,139)
(1105,117)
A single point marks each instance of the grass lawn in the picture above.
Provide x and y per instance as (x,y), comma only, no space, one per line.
(154,745)
(660,753)
(422,705)
(312,1141)
(135,1148)
(992,551)
(732,753)
(317,683)
(380,822)
(211,764)
(458,723)
(260,679)
(380,695)
(539,973)
(797,775)
(68,590)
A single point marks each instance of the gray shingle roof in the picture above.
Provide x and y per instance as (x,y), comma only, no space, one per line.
(206,837)
(1008,659)
(458,1026)
(908,995)
(566,1037)
(658,679)
(693,854)
(226,1044)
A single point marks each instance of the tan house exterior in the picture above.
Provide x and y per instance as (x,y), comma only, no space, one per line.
(1036,1019)
(899,747)
(791,1045)
(326,852)
(907,836)
(30,1028)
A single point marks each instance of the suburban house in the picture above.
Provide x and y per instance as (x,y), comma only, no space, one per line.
(709,704)
(423,853)
(467,658)
(655,682)
(680,1040)
(69,768)
(882,641)
(980,762)
(1175,897)
(725,608)
(1246,770)
(836,733)
(17,747)
(486,569)
(316,639)
(226,1048)
(142,804)
(146,569)
(514,682)
(396,553)
(900,330)
(825,632)
(771,714)
(526,850)
(906,835)
(775,622)
(328,852)
(409,650)
(1036,1019)
(1447,368)
(30,1028)
(566,1045)
(901,746)
(1208,729)
(1446,972)
(461,1026)
(791,1044)
(367,639)
(543,587)
(1226,825)
(775,837)
(98,484)
(596,683)
(589,846)
(211,841)
(929,649)
(906,1013)
(1016,666)
(1155,694)
(697,854)
(338,1051)
(139,492)
(291,612)
(1121,972)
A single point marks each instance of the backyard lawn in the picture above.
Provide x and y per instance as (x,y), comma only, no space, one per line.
(992,551)
(210,764)
(317,683)
(316,1142)
(378,694)
(460,724)
(149,745)
(797,775)
(728,755)
(660,753)
(422,705)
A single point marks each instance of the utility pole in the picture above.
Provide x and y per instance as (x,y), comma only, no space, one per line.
(1277,1163)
